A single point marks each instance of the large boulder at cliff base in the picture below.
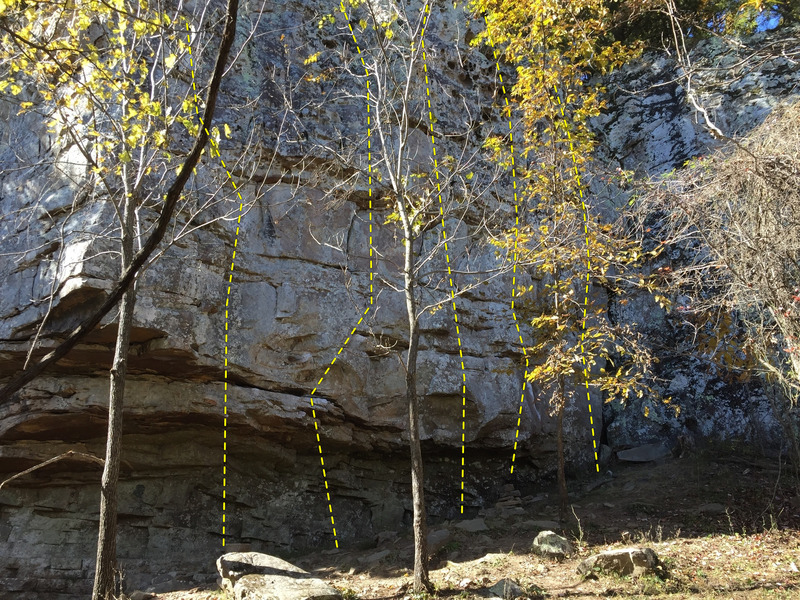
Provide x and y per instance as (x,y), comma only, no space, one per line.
(256,576)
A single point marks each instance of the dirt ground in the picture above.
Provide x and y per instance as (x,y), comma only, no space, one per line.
(724,526)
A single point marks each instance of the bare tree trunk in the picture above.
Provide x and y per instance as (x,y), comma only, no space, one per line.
(421,579)
(563,497)
(107,534)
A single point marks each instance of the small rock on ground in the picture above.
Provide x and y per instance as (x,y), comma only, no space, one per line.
(472,525)
(549,543)
(646,453)
(438,539)
(387,536)
(507,589)
(374,558)
(712,508)
(622,561)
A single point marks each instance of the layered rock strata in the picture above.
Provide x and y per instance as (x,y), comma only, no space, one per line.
(300,285)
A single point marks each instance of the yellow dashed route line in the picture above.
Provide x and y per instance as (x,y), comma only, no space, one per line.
(227,294)
(517,202)
(588,270)
(371,295)
(316,426)
(371,278)
(369,151)
(514,279)
(446,253)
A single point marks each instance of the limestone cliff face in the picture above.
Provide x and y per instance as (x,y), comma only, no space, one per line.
(651,128)
(300,285)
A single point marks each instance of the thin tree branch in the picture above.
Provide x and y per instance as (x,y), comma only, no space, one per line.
(68,454)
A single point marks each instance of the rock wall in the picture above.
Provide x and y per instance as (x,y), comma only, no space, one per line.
(651,128)
(300,285)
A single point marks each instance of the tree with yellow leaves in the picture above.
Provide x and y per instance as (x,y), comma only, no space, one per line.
(556,45)
(105,75)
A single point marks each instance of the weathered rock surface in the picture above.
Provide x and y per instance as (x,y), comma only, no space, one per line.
(438,539)
(552,545)
(656,131)
(506,589)
(255,576)
(300,285)
(646,453)
(623,561)
(472,525)
(539,524)
(605,455)
(653,130)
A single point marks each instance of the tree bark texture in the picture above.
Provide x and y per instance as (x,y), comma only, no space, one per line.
(563,497)
(107,533)
(421,578)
